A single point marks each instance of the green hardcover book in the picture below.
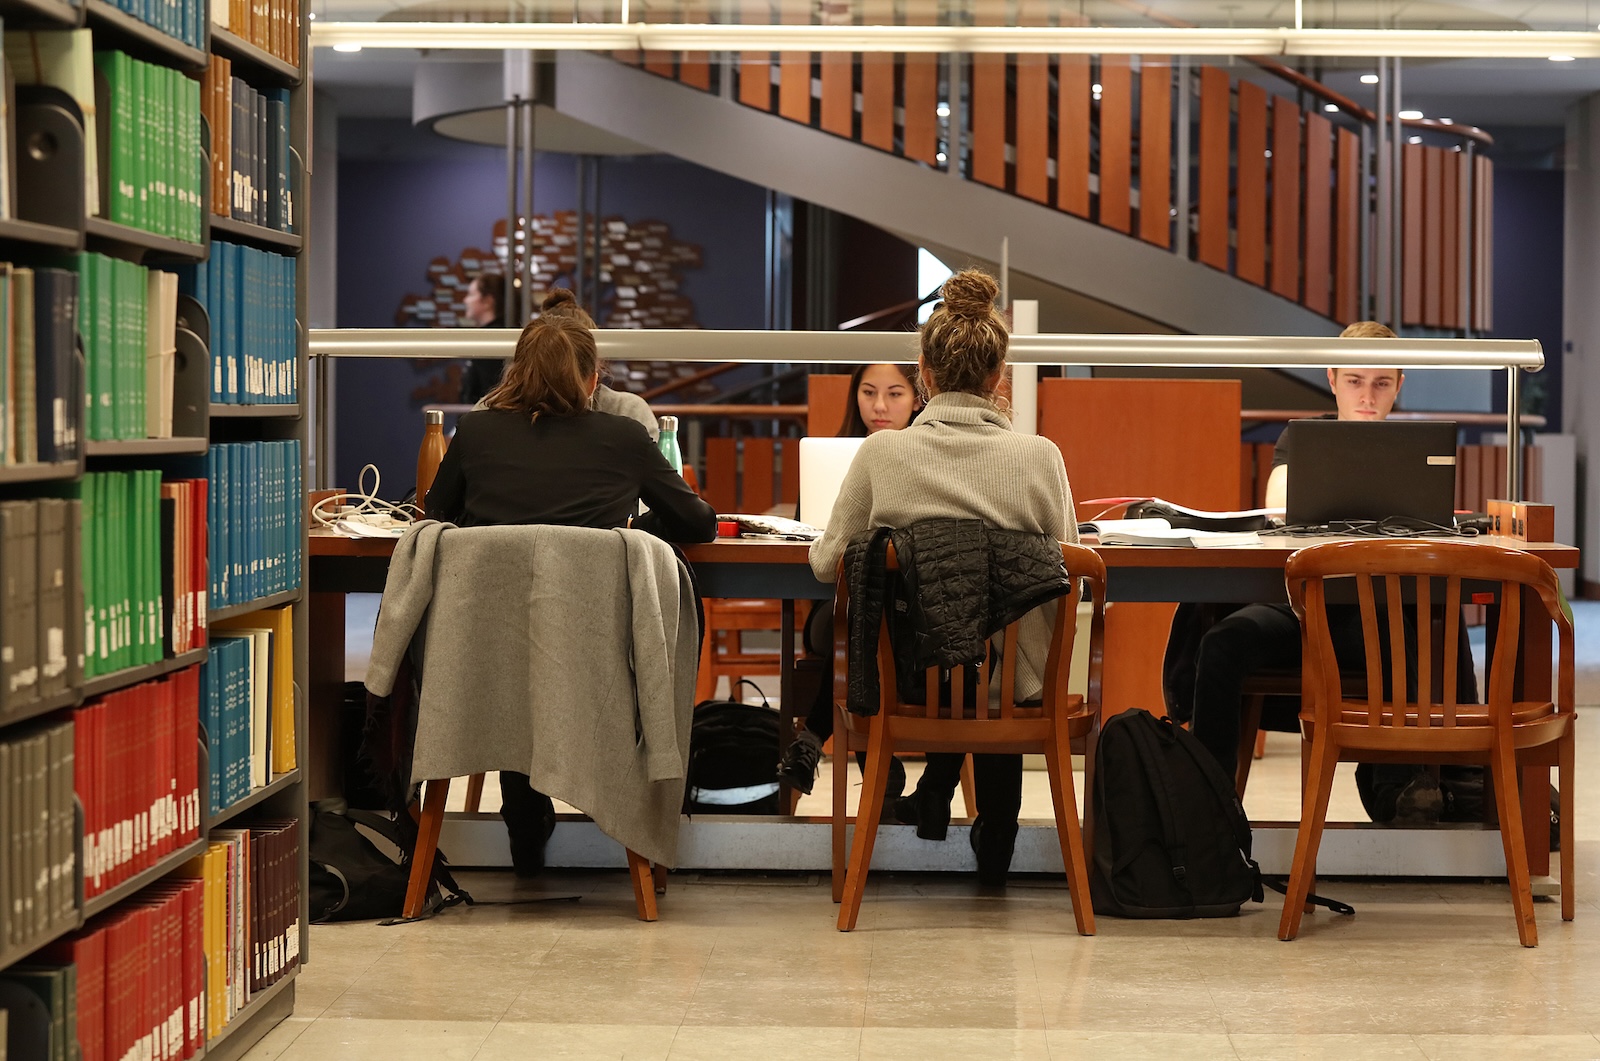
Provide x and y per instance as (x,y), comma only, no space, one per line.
(138,338)
(50,984)
(150,563)
(142,126)
(105,293)
(120,597)
(116,356)
(97,641)
(119,196)
(24,430)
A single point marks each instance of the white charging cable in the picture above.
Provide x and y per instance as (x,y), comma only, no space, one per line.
(364,512)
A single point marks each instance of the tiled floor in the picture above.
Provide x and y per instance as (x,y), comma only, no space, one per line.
(751,967)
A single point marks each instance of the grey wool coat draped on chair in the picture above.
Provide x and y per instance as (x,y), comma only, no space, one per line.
(565,653)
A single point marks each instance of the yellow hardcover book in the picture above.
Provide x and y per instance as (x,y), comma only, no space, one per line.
(281,622)
(217,918)
(201,868)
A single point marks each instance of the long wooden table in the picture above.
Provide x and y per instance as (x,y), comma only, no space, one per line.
(780,570)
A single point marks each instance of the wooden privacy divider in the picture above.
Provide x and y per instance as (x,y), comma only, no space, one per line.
(1176,439)
(1285,198)
(750,474)
(827,398)
(920,93)
(1320,178)
(794,74)
(1250,250)
(1347,252)
(1450,201)
(1216,107)
(1155,151)
(694,68)
(1072,135)
(1116,141)
(838,94)
(1482,243)
(755,68)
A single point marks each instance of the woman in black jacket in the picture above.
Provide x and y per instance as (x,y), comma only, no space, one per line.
(539,454)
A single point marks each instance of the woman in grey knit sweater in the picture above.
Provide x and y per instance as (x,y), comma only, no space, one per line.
(961,459)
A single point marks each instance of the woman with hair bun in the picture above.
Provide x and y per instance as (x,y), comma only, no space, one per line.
(561,302)
(961,459)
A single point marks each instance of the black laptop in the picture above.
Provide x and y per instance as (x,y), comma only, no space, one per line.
(1403,471)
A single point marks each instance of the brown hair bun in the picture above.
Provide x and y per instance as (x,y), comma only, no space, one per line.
(970,294)
(558,296)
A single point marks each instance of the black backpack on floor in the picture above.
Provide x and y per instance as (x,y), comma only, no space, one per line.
(1171,839)
(351,879)
(733,752)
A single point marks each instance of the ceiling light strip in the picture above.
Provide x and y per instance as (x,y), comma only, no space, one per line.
(577,36)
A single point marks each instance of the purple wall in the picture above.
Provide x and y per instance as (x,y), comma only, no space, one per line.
(397,213)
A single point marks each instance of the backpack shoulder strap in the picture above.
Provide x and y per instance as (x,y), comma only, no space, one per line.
(1161,788)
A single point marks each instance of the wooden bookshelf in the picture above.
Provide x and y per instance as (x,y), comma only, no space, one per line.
(39,472)
(120,679)
(257,235)
(274,600)
(225,411)
(146,447)
(141,39)
(143,879)
(31,232)
(268,66)
(282,783)
(40,14)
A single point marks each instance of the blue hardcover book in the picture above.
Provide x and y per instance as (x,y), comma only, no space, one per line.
(222,528)
(208,716)
(257,515)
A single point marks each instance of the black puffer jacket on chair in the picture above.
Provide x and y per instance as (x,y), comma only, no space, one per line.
(959,583)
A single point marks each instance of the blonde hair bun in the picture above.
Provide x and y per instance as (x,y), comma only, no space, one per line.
(970,294)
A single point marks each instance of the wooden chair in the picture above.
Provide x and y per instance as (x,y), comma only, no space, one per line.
(647,880)
(1012,728)
(1501,734)
(722,653)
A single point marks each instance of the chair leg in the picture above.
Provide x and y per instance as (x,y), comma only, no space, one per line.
(1509,802)
(1313,813)
(841,793)
(644,886)
(1566,750)
(968,795)
(1252,741)
(872,789)
(658,877)
(1090,750)
(1058,761)
(474,793)
(433,802)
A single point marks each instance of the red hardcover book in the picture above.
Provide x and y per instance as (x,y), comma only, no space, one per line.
(169,754)
(194,913)
(116,994)
(116,799)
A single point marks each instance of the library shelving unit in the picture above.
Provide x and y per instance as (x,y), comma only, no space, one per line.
(49,224)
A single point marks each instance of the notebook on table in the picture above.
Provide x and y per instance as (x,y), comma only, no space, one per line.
(823,462)
(1402,472)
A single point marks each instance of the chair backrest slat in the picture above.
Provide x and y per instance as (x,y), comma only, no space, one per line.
(931,680)
(1369,640)
(1008,667)
(1398,668)
(1452,647)
(1503,672)
(958,692)
(1424,613)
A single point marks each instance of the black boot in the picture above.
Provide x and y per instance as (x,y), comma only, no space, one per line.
(530,818)
(928,810)
(993,844)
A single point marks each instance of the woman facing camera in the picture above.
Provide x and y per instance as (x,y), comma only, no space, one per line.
(883,398)
(960,459)
(537,453)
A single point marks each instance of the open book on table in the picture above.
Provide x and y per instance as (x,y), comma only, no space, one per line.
(1155,531)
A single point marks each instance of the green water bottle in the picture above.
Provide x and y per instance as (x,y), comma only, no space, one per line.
(668,443)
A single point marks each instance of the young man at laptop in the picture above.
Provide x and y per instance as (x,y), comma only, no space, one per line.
(1266,637)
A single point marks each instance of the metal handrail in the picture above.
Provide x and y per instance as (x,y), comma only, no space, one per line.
(769,347)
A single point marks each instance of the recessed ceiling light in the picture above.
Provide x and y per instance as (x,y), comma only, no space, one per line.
(1331,108)
(1369,79)
(1410,116)
(1562,58)
(942,110)
(1415,140)
(347,47)
(1447,121)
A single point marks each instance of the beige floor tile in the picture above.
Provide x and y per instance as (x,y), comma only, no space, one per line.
(1089,1007)
(1491,1047)
(388,1040)
(742,1002)
(1137,1046)
(428,992)
(279,1039)
(952,1001)
(511,1041)
(640,1000)
(719,1043)
(1327,1048)
(953,1044)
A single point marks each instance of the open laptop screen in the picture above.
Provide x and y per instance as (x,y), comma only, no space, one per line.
(823,462)
(1360,470)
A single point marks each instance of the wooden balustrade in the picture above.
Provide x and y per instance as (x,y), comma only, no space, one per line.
(1279,188)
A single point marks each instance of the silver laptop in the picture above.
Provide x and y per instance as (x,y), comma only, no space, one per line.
(823,462)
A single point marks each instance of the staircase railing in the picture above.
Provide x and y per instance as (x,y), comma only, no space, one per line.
(1258,171)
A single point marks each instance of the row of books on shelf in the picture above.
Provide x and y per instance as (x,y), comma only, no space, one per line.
(247,703)
(249,297)
(138,777)
(164,973)
(38,378)
(256,520)
(41,629)
(251,166)
(128,320)
(143,569)
(271,25)
(183,20)
(38,834)
(155,169)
